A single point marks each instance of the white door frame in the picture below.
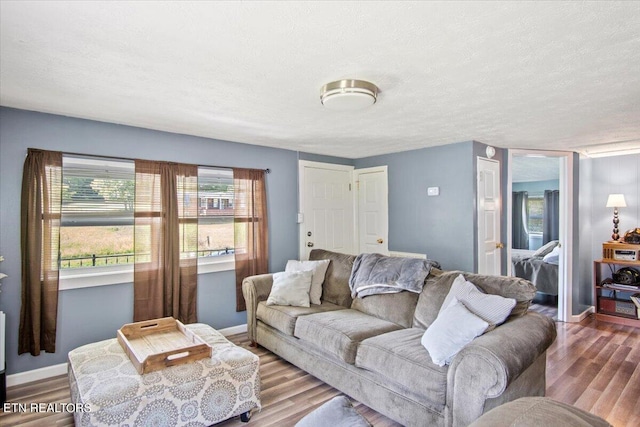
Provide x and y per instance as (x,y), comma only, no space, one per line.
(302,164)
(565,273)
(356,176)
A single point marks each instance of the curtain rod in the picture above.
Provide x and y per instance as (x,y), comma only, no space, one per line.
(133,160)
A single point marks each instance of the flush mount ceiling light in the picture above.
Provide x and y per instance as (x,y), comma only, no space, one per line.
(348,94)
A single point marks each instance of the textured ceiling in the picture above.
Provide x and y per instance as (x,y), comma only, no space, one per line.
(526,169)
(537,75)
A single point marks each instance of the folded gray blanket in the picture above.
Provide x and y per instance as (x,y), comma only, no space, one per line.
(380,274)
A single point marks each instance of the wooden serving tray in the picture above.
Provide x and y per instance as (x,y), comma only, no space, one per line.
(159,343)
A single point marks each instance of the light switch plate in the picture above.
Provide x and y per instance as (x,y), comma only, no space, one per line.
(433,191)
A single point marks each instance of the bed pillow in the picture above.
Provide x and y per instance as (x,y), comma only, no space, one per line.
(318,268)
(545,249)
(494,309)
(290,288)
(553,257)
(454,328)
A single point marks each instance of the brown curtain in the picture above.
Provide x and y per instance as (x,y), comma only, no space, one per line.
(166,241)
(250,227)
(40,248)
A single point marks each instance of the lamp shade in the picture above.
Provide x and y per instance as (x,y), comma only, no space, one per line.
(616,201)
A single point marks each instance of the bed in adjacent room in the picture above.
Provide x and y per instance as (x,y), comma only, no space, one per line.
(540,267)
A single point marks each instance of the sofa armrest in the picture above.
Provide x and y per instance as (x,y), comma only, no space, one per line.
(254,290)
(491,362)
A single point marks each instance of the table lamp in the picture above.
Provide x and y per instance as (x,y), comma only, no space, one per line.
(616,201)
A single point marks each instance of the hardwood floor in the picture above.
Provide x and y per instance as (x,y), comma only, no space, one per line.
(547,310)
(593,365)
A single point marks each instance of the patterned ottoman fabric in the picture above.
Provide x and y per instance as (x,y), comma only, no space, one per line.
(200,393)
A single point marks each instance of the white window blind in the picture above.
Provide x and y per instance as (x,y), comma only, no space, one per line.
(98,215)
(215,217)
(97,191)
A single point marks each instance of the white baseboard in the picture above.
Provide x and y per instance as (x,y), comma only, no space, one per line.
(580,317)
(61,369)
(36,374)
(233,330)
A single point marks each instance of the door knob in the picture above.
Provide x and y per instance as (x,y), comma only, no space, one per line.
(499,245)
(380,241)
(310,244)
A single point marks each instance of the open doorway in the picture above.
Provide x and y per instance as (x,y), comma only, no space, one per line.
(535,192)
(539,228)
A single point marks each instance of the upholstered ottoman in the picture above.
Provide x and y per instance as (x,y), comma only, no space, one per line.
(200,393)
(536,412)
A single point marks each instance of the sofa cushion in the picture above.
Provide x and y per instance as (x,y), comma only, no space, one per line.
(336,280)
(405,365)
(340,332)
(283,317)
(439,283)
(397,308)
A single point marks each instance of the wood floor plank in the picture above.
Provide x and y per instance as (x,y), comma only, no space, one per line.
(593,365)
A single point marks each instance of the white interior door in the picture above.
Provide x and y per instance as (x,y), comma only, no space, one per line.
(326,208)
(373,210)
(489,245)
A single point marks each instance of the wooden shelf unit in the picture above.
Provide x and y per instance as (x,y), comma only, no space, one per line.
(602,269)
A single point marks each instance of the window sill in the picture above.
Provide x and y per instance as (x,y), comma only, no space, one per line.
(89,277)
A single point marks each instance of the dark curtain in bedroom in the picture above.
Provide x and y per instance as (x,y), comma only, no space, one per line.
(551,216)
(519,232)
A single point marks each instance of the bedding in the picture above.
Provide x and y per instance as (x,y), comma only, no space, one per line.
(531,266)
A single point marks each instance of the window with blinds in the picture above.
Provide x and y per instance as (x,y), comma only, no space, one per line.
(215,215)
(536,210)
(97,212)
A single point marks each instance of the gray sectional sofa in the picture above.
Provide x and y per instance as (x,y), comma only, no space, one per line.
(370,348)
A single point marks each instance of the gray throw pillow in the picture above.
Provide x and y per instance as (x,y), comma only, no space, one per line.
(338,412)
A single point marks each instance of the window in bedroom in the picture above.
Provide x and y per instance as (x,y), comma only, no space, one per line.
(536,210)
(97,213)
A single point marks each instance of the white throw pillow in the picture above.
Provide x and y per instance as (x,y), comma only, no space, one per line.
(492,308)
(553,257)
(290,288)
(454,328)
(319,269)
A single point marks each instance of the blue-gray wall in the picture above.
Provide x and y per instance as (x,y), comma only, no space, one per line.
(600,177)
(440,226)
(91,314)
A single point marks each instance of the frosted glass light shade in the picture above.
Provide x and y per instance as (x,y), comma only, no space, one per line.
(616,201)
